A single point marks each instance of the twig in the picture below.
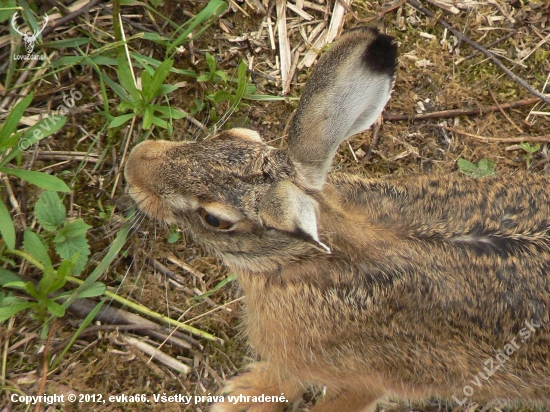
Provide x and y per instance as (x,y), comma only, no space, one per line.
(292,70)
(505,115)
(218,307)
(540,163)
(199,275)
(5,336)
(337,20)
(69,17)
(128,21)
(22,342)
(494,43)
(284,45)
(125,320)
(13,201)
(67,155)
(20,80)
(374,143)
(483,50)
(156,354)
(445,6)
(386,11)
(197,123)
(45,365)
(458,112)
(545,138)
(124,151)
(141,356)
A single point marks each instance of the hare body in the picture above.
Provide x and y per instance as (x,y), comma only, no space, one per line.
(420,285)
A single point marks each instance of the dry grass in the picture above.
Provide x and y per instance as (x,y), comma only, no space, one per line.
(435,74)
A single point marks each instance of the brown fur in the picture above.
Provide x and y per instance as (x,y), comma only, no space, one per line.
(368,287)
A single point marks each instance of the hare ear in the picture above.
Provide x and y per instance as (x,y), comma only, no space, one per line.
(345,94)
(243,134)
(286,208)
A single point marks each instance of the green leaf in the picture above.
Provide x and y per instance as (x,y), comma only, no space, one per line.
(13,119)
(144,61)
(115,248)
(219,97)
(174,235)
(485,167)
(7,276)
(157,80)
(177,114)
(212,10)
(40,179)
(269,98)
(33,244)
(73,229)
(61,44)
(166,89)
(198,105)
(42,129)
(529,148)
(7,310)
(10,142)
(83,326)
(242,75)
(160,123)
(220,285)
(7,228)
(169,112)
(51,281)
(6,11)
(148,117)
(465,166)
(31,290)
(222,75)
(65,269)
(145,83)
(122,107)
(68,61)
(120,120)
(15,285)
(95,289)
(117,88)
(49,211)
(211,61)
(126,78)
(55,308)
(157,38)
(68,246)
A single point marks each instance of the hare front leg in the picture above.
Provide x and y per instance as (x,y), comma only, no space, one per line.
(241,394)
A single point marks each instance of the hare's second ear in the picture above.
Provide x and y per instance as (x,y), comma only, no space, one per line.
(244,134)
(345,94)
(287,208)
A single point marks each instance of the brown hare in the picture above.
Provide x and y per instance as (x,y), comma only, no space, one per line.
(415,286)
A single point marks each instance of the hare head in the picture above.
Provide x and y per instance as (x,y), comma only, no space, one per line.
(248,202)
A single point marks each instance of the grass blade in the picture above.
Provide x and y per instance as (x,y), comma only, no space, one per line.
(7,228)
(39,179)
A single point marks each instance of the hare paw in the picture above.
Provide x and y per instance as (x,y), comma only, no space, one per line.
(258,390)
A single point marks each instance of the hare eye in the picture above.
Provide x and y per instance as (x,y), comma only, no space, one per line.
(213,221)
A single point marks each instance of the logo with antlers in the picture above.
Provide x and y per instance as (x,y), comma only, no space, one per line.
(29,40)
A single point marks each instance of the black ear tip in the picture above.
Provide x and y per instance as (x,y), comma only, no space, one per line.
(381,55)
